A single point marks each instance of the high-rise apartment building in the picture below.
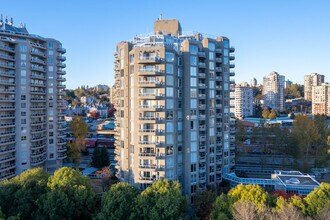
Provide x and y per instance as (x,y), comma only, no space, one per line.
(321,99)
(311,80)
(253,82)
(172,101)
(31,101)
(273,91)
(242,101)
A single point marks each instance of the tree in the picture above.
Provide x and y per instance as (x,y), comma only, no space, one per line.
(244,210)
(240,134)
(318,199)
(70,196)
(221,208)
(305,133)
(100,157)
(80,131)
(118,202)
(203,202)
(253,193)
(19,195)
(162,200)
(265,113)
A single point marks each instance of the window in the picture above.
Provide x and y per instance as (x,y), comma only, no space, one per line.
(23,97)
(225,52)
(23,138)
(51,141)
(193,49)
(23,121)
(23,56)
(193,60)
(169,80)
(211,46)
(193,71)
(211,55)
(23,81)
(193,167)
(225,44)
(169,57)
(169,91)
(50,68)
(211,65)
(193,82)
(23,113)
(169,127)
(23,48)
(23,105)
(169,104)
(23,72)
(50,45)
(51,134)
(193,103)
(169,150)
(169,68)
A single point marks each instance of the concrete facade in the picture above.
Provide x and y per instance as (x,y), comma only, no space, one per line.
(311,80)
(171,94)
(321,99)
(273,91)
(31,101)
(242,101)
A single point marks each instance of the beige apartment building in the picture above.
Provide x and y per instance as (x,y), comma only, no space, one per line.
(31,101)
(273,91)
(172,98)
(242,100)
(311,80)
(321,99)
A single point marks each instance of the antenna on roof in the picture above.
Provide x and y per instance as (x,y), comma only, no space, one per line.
(11,21)
(161,17)
(1,18)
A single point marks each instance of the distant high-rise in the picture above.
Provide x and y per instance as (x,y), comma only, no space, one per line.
(287,83)
(253,82)
(311,80)
(321,99)
(171,94)
(242,101)
(31,101)
(273,91)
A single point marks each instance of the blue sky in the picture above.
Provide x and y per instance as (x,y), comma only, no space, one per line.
(290,37)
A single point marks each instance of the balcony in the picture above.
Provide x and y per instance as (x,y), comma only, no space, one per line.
(151,59)
(232,65)
(61,79)
(151,84)
(61,58)
(37,107)
(38,162)
(218,50)
(218,78)
(202,106)
(231,57)
(7,65)
(60,64)
(147,166)
(3,99)
(61,50)
(8,107)
(151,72)
(38,61)
(7,57)
(7,82)
(60,86)
(201,75)
(201,65)
(7,125)
(6,151)
(7,133)
(38,68)
(6,48)
(61,72)
(7,167)
(218,69)
(232,73)
(61,156)
(61,149)
(201,54)
(38,130)
(39,92)
(38,53)
(7,159)
(38,99)
(232,49)
(147,154)
(61,128)
(157,120)
(151,95)
(8,73)
(7,141)
(37,123)
(218,59)
(232,81)
(202,85)
(151,107)
(38,76)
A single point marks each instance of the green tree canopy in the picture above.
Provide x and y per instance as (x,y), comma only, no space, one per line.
(19,195)
(253,193)
(162,200)
(265,113)
(70,196)
(221,208)
(203,202)
(272,114)
(118,202)
(318,199)
(100,157)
